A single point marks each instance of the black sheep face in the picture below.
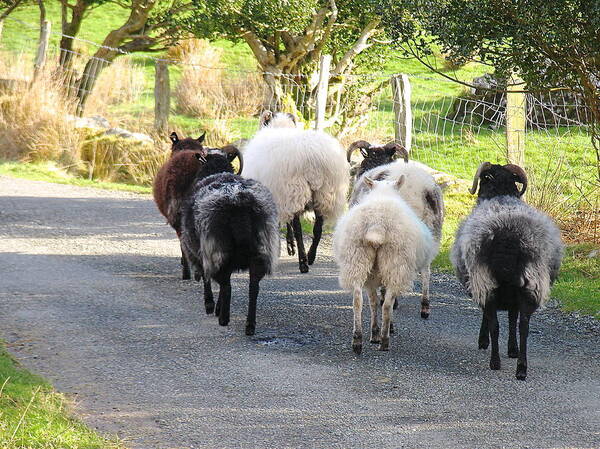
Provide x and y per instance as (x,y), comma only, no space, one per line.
(374,157)
(189,143)
(497,181)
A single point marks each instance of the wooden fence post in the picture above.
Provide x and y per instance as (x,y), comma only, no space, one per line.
(402,110)
(322,92)
(40,57)
(516,121)
(162,97)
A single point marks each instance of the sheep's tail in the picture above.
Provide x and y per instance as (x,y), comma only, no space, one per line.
(506,258)
(375,235)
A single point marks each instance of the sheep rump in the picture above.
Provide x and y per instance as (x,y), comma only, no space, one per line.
(506,241)
(229,221)
(303,169)
(371,239)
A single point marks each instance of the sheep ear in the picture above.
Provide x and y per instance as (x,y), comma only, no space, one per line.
(174,137)
(292,117)
(400,181)
(369,182)
(201,138)
(200,157)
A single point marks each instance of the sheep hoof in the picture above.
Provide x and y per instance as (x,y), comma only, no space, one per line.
(384,345)
(484,343)
(186,276)
(521,372)
(291,250)
(494,364)
(391,328)
(395,303)
(210,307)
(513,353)
(303,267)
(197,276)
(312,255)
(424,312)
(250,329)
(357,348)
(223,321)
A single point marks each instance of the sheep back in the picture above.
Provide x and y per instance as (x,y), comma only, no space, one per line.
(171,183)
(304,170)
(507,242)
(419,190)
(227,221)
(373,237)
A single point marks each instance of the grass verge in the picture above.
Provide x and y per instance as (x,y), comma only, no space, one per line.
(50,172)
(33,415)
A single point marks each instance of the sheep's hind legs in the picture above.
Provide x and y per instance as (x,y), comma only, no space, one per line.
(317,232)
(374,304)
(357,333)
(257,272)
(527,308)
(303,262)
(289,238)
(383,296)
(484,334)
(494,327)
(224,302)
(513,348)
(209,302)
(425,275)
(386,312)
(185,266)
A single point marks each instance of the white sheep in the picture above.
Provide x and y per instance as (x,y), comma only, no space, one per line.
(305,171)
(422,194)
(380,242)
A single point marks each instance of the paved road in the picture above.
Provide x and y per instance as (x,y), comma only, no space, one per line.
(91,299)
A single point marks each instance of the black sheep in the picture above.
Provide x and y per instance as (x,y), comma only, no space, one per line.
(229,224)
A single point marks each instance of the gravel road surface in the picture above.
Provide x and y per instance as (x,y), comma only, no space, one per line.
(91,299)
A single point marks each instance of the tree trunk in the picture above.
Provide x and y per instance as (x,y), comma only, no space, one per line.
(105,55)
(70,29)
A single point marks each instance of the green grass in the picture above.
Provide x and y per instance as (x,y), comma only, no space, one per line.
(49,172)
(33,415)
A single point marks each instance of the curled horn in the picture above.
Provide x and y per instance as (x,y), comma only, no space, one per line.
(232,152)
(519,173)
(399,149)
(482,166)
(356,145)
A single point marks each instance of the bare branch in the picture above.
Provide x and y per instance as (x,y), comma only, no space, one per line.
(359,46)
(10,9)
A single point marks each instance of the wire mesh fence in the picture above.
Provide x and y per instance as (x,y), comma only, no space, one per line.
(452,129)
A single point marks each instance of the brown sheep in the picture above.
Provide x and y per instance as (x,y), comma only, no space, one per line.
(174,179)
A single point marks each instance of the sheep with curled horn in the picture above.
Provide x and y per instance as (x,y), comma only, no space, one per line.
(374,155)
(507,254)
(229,223)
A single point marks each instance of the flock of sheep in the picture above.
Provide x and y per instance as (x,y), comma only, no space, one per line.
(507,254)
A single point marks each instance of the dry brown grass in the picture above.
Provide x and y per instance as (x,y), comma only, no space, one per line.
(34,117)
(206,90)
(120,83)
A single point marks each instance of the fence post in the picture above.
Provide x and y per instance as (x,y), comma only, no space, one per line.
(322,91)
(516,121)
(40,57)
(162,97)
(402,110)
